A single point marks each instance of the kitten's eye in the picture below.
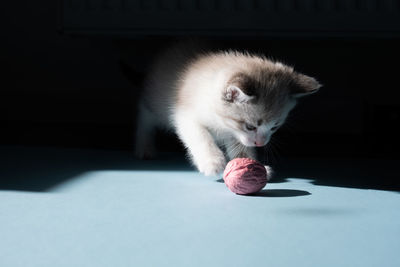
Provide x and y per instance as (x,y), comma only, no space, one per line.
(274,128)
(250,127)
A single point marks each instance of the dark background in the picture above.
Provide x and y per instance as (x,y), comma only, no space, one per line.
(67,87)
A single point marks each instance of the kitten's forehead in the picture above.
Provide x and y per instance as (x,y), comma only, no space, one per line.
(264,81)
(263,112)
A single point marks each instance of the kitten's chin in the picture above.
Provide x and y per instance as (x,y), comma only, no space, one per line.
(253,145)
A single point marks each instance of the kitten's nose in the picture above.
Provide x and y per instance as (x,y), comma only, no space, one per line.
(259,143)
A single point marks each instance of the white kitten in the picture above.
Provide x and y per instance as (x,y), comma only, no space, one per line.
(229,100)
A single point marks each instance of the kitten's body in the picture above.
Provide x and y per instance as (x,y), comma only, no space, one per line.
(214,100)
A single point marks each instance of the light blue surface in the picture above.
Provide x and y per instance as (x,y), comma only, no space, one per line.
(110,217)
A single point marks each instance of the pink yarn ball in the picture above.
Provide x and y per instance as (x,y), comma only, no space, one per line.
(245,176)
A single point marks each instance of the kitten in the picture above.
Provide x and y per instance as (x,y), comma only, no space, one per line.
(220,104)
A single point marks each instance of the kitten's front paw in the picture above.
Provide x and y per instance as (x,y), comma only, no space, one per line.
(212,166)
(270,172)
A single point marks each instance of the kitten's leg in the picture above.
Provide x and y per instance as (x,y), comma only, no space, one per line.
(205,154)
(235,149)
(145,130)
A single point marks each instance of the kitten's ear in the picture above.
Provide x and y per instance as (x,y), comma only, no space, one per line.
(235,94)
(304,85)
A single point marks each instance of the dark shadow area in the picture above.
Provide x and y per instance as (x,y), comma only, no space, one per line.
(363,173)
(280,193)
(40,169)
(70,87)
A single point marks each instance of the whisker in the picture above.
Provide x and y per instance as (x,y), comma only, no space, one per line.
(273,149)
(235,149)
(267,153)
(275,152)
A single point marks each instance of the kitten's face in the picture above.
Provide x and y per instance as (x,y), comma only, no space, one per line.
(256,106)
(252,124)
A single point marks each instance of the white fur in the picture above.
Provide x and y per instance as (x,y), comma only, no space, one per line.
(203,150)
(187,98)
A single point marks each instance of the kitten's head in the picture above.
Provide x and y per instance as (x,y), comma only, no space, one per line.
(257,102)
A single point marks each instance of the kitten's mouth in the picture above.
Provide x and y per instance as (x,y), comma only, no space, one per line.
(252,143)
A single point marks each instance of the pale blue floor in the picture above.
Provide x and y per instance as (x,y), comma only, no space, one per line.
(61,207)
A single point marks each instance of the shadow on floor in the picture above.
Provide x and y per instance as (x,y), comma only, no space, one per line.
(40,169)
(280,193)
(381,174)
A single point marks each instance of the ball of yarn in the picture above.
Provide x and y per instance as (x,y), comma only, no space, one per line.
(245,176)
